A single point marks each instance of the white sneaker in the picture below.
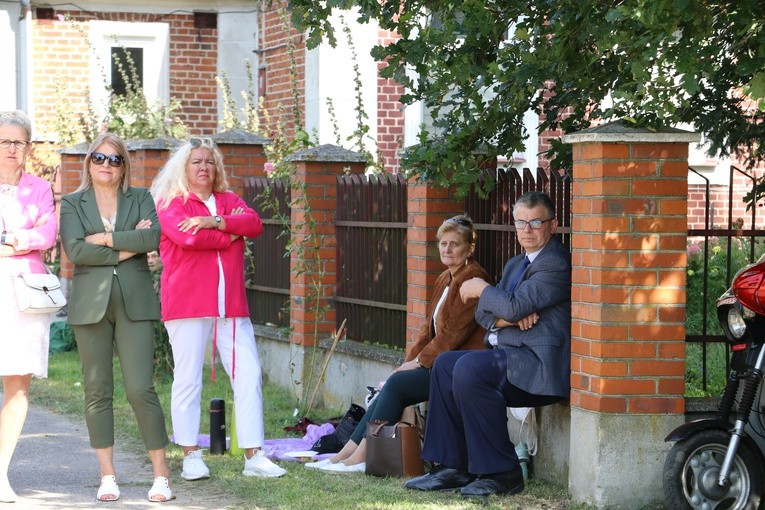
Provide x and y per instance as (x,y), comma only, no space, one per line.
(318,464)
(194,468)
(342,467)
(260,465)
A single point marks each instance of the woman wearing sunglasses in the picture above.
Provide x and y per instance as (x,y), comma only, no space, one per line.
(107,229)
(28,221)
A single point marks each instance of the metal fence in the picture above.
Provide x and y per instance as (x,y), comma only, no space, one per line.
(715,253)
(370,225)
(268,271)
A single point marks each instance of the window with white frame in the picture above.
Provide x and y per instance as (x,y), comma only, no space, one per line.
(116,43)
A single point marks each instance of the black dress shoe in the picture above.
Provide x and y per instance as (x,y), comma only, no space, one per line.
(440,479)
(509,482)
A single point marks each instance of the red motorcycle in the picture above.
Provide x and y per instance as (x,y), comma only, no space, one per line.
(719,463)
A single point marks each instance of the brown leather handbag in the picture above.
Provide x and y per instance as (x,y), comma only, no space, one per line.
(395,450)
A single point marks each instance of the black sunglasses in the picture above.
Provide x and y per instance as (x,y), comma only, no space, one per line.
(462,221)
(114,160)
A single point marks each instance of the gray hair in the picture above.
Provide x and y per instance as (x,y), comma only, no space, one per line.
(17,118)
(532,199)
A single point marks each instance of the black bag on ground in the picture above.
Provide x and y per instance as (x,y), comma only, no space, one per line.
(334,442)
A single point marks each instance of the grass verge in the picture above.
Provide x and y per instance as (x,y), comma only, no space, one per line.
(301,488)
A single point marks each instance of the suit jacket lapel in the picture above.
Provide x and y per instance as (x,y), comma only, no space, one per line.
(507,278)
(124,204)
(90,208)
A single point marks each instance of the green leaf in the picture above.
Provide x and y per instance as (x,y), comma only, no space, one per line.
(757,86)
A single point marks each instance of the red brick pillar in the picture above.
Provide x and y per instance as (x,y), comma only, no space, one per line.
(312,257)
(628,310)
(244,156)
(427,208)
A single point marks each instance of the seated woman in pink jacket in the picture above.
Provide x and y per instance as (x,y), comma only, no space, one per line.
(28,221)
(203,296)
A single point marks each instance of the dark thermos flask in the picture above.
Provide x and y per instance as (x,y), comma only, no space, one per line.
(217,426)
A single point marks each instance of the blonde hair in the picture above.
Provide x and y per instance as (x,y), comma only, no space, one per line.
(171,181)
(116,143)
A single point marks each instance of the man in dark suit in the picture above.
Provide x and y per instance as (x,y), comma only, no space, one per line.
(528,321)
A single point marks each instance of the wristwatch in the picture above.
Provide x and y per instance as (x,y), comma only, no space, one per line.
(218,219)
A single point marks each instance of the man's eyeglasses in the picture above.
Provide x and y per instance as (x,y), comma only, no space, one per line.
(114,160)
(535,224)
(19,144)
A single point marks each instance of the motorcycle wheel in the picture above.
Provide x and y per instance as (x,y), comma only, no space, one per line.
(691,469)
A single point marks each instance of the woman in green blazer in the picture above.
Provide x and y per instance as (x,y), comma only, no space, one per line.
(107,228)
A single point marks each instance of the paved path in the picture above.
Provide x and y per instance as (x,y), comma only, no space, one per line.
(55,468)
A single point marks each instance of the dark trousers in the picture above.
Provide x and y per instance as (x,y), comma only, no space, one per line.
(401,390)
(466,426)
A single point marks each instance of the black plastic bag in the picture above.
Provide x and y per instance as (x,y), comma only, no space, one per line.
(334,442)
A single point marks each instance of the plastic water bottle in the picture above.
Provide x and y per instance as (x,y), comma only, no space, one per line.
(525,459)
(233,445)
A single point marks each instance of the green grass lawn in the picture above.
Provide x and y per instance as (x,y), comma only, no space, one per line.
(301,488)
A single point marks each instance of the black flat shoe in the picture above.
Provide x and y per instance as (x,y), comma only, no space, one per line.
(509,482)
(440,479)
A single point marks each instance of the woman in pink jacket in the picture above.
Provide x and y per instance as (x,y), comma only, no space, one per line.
(28,221)
(203,296)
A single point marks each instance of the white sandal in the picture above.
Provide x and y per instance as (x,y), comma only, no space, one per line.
(108,491)
(161,491)
(6,493)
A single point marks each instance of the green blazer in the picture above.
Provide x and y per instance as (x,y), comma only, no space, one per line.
(94,266)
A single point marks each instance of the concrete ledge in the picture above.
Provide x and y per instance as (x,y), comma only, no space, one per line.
(701,407)
(350,370)
(617,459)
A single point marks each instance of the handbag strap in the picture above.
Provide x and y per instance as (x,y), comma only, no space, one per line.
(47,270)
(376,426)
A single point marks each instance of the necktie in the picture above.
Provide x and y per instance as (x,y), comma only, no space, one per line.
(518,274)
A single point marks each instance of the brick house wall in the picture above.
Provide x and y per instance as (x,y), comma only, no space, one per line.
(60,46)
(275,78)
(719,202)
(281,95)
(390,113)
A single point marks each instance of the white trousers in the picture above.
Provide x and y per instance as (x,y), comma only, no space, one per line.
(189,338)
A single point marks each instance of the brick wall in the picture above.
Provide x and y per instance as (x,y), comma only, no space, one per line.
(720,202)
(427,207)
(61,51)
(275,70)
(628,295)
(193,67)
(390,113)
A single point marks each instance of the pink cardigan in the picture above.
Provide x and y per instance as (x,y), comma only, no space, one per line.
(190,275)
(35,227)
